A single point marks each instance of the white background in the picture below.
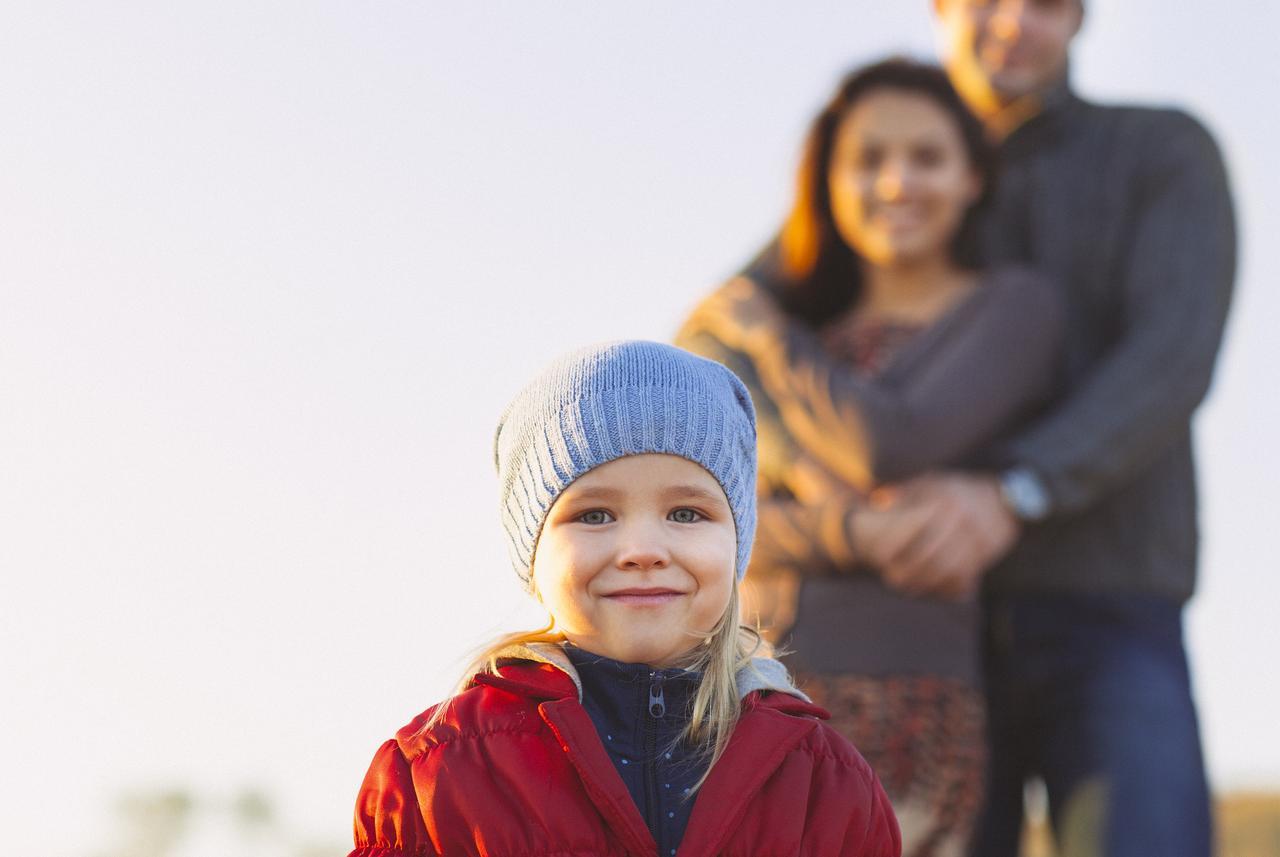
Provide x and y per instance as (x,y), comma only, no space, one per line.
(270,270)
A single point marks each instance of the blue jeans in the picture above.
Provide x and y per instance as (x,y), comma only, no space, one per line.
(1092,695)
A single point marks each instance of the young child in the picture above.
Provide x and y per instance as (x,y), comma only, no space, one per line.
(638,722)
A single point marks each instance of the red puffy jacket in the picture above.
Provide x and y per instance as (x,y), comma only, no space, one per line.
(516,769)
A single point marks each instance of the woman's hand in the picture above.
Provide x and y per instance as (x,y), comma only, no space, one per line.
(925,538)
(882,530)
(967,529)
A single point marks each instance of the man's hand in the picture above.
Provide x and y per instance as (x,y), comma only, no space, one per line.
(935,535)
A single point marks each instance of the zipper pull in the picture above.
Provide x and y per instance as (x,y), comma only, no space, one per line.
(657,703)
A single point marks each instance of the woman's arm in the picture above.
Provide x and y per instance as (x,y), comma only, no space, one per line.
(992,363)
(807,538)
(803,512)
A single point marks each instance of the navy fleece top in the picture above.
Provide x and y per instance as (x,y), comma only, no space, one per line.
(640,713)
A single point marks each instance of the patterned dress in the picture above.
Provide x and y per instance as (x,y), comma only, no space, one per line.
(923,734)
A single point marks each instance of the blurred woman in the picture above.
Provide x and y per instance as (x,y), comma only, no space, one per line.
(877,347)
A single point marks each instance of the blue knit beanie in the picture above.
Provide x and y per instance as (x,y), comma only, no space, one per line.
(624,398)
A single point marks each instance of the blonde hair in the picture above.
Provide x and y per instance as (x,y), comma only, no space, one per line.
(719,655)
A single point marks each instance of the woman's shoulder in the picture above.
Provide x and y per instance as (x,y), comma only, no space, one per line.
(719,301)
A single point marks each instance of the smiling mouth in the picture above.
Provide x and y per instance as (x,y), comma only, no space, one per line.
(644,597)
(902,218)
(899,210)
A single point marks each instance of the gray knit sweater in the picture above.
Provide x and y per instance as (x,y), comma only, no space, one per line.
(1128,211)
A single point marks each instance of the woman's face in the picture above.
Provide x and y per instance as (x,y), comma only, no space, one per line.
(900,179)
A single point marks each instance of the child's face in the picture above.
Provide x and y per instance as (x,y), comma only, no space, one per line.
(636,558)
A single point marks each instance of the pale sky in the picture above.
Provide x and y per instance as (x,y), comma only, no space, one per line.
(269,272)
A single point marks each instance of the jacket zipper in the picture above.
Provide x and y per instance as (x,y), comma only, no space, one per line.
(657,709)
(657,703)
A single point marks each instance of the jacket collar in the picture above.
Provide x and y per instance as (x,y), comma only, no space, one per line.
(759,744)
(524,668)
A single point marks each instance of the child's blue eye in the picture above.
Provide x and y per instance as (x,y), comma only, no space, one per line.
(685,516)
(595,516)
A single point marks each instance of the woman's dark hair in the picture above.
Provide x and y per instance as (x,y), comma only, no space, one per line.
(816,272)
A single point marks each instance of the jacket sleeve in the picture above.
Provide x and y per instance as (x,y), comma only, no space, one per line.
(979,376)
(388,822)
(853,816)
(1176,287)
(880,836)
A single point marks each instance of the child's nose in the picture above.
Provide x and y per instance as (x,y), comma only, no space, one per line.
(643,550)
(643,559)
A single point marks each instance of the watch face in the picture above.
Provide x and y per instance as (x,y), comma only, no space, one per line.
(1026,495)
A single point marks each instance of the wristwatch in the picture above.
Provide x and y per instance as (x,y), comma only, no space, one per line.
(1025,494)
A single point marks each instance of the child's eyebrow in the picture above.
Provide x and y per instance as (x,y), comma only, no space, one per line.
(693,492)
(670,493)
(599,493)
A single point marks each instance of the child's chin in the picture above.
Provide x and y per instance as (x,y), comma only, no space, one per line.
(652,652)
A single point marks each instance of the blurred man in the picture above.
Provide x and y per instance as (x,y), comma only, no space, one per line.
(1128,210)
